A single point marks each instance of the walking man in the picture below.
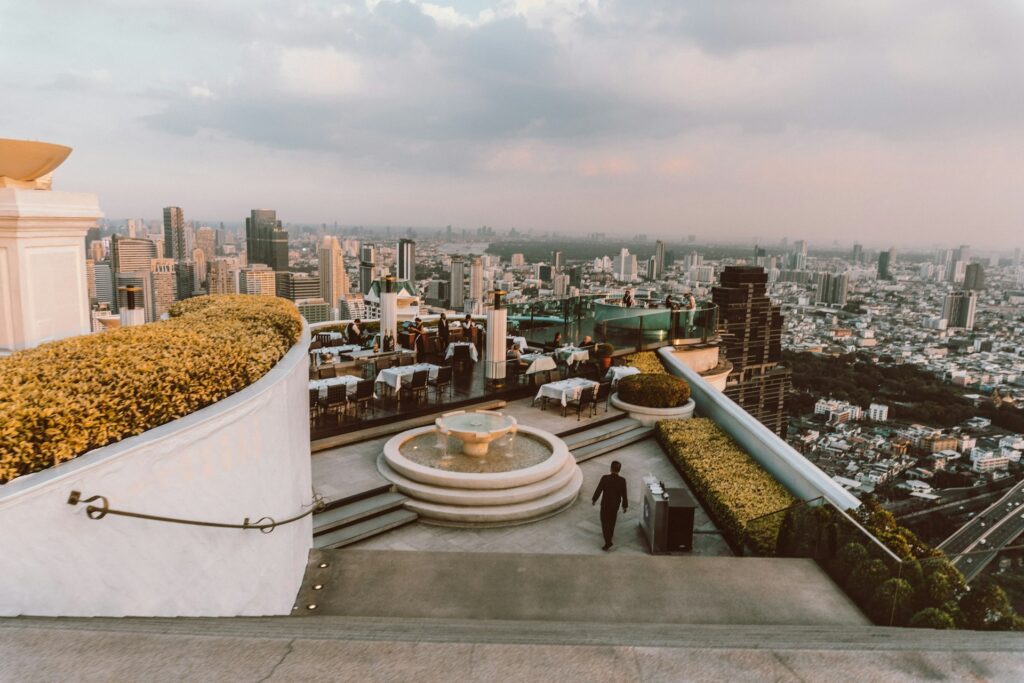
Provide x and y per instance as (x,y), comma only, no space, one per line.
(612,492)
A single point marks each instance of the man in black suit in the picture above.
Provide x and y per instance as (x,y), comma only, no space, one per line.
(612,492)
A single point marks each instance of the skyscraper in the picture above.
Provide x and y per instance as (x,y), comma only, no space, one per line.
(163,286)
(974,277)
(751,330)
(406,260)
(258,279)
(858,254)
(206,239)
(174,233)
(557,260)
(658,264)
(333,278)
(223,276)
(367,259)
(457,285)
(265,241)
(833,288)
(297,286)
(476,285)
(885,263)
(128,254)
(959,308)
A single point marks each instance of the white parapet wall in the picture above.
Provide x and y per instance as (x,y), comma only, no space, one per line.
(798,474)
(246,456)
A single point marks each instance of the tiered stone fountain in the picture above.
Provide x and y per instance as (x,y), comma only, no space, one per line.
(481,469)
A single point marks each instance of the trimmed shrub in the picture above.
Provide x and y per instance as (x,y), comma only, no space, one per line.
(733,487)
(65,398)
(932,617)
(654,391)
(645,361)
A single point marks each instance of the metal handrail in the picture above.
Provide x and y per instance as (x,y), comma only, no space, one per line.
(265,524)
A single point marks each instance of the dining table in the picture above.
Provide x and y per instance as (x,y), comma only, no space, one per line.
(565,390)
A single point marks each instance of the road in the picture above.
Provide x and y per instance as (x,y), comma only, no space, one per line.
(987,533)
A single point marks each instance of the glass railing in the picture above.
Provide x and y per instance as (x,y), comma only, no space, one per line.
(646,328)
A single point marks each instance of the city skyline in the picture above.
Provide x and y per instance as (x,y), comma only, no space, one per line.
(724,121)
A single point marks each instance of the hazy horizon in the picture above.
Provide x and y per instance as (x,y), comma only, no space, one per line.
(738,121)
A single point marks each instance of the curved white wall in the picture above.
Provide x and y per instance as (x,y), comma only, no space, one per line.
(245,456)
(798,474)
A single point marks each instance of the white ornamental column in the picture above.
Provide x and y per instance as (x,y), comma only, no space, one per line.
(132,313)
(497,331)
(388,310)
(44,293)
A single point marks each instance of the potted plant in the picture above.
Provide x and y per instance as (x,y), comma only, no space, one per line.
(649,398)
(604,352)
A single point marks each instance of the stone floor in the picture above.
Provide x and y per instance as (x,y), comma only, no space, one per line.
(574,530)
(349,469)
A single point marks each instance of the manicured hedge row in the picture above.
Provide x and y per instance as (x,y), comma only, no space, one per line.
(64,398)
(653,390)
(734,488)
(645,361)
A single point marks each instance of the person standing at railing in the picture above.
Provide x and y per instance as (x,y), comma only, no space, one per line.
(627,298)
(691,310)
(442,332)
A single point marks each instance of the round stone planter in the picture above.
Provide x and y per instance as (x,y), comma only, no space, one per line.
(648,417)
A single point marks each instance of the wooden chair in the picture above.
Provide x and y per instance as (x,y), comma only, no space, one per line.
(364,396)
(406,359)
(587,401)
(515,370)
(336,401)
(442,381)
(417,385)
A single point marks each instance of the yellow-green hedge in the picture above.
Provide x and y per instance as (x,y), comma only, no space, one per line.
(732,485)
(646,362)
(64,398)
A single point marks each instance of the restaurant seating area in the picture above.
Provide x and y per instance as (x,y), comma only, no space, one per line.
(352,386)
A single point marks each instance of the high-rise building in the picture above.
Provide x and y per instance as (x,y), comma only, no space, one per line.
(751,330)
(258,279)
(858,254)
(457,284)
(200,264)
(97,250)
(557,260)
(406,260)
(333,278)
(959,308)
(174,233)
(658,263)
(518,260)
(625,266)
(560,285)
(206,239)
(437,293)
(351,307)
(265,241)
(128,254)
(185,277)
(297,286)
(105,285)
(164,287)
(223,276)
(367,264)
(885,263)
(314,310)
(476,285)
(974,277)
(832,288)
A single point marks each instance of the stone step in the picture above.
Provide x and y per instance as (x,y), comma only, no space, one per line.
(340,501)
(601,432)
(350,513)
(614,443)
(366,528)
(612,415)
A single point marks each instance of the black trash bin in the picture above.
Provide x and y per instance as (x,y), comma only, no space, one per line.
(681,508)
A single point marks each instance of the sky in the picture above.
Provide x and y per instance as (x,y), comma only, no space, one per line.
(864,120)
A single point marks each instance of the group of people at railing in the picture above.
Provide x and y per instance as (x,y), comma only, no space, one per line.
(688,302)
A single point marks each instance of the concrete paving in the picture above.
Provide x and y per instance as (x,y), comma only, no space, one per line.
(576,529)
(577,588)
(164,650)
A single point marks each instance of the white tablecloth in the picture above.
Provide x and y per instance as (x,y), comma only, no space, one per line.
(565,390)
(518,341)
(572,354)
(450,352)
(335,351)
(619,371)
(539,362)
(322,384)
(394,377)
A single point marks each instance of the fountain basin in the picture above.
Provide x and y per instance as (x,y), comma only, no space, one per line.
(476,429)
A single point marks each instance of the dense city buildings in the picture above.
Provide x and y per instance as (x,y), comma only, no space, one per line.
(407,260)
(885,263)
(174,233)
(266,241)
